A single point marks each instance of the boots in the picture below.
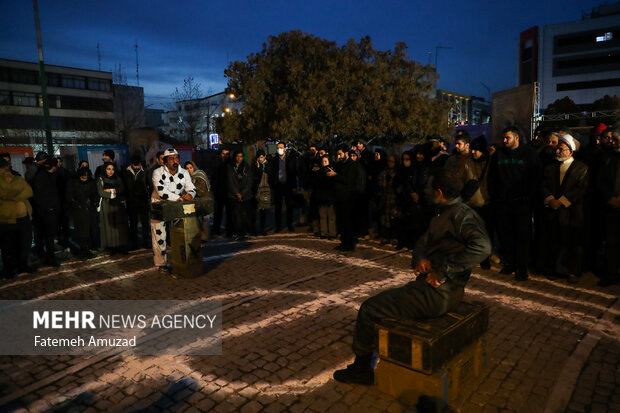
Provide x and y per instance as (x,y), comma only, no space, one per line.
(360,372)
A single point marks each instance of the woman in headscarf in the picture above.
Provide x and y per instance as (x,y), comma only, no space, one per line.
(476,193)
(82,199)
(113,216)
(203,191)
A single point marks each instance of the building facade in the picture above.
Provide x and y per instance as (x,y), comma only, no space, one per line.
(193,121)
(81,104)
(465,109)
(579,59)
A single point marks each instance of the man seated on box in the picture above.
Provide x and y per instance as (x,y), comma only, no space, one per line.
(454,243)
(170,183)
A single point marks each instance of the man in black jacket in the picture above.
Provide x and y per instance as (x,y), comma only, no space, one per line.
(46,209)
(349,182)
(219,185)
(443,258)
(283,181)
(137,202)
(514,181)
(240,184)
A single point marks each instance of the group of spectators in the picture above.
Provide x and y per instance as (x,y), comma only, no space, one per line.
(548,205)
(107,210)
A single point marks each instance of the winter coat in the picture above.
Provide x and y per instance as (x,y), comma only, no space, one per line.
(14,199)
(82,201)
(112,216)
(240,181)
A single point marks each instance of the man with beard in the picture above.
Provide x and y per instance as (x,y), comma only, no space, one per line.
(443,258)
(514,179)
(564,188)
(172,183)
(547,154)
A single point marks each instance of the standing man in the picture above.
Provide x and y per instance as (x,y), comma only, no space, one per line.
(241,196)
(457,161)
(219,181)
(349,181)
(47,209)
(172,183)
(608,183)
(514,179)
(564,189)
(443,258)
(137,201)
(283,182)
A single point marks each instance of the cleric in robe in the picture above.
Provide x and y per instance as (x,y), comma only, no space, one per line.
(563,237)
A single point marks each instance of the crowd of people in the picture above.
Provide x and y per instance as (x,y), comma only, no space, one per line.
(548,205)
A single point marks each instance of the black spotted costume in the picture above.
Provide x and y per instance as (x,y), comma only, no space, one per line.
(167,187)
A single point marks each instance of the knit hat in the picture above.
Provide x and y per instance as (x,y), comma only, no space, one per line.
(109,153)
(598,129)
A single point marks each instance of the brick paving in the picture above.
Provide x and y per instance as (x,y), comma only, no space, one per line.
(289,305)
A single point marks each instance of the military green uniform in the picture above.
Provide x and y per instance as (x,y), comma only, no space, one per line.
(455,242)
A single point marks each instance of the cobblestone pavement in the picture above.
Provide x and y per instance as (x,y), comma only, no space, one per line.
(289,305)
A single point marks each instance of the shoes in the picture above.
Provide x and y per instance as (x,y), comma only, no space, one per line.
(344,248)
(508,269)
(356,375)
(164,269)
(521,275)
(485,264)
(291,229)
(277,229)
(572,279)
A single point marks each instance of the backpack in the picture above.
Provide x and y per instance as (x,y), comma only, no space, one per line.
(263,194)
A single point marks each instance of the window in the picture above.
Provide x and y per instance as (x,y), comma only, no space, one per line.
(591,84)
(53,79)
(25,99)
(25,76)
(75,82)
(98,84)
(5,98)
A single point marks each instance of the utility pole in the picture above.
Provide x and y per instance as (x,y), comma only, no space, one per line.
(99,56)
(47,122)
(137,66)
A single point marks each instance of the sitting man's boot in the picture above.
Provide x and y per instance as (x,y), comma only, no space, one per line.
(360,372)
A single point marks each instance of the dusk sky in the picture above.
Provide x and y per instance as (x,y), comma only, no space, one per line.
(198,38)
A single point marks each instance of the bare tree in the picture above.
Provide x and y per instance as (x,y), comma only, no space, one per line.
(187,107)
